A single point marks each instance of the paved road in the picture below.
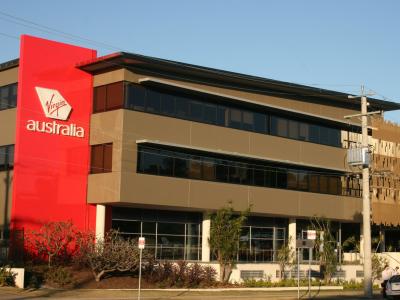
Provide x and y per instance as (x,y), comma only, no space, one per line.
(45,294)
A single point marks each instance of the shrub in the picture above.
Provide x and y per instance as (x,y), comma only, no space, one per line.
(7,278)
(59,276)
(54,241)
(210,275)
(195,275)
(109,255)
(181,274)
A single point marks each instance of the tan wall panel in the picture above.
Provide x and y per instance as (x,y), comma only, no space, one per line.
(5,198)
(7,126)
(274,201)
(211,195)
(139,125)
(204,195)
(8,76)
(330,206)
(104,188)
(154,190)
(331,157)
(109,77)
(107,128)
(214,137)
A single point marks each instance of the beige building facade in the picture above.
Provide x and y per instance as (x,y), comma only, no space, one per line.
(172,142)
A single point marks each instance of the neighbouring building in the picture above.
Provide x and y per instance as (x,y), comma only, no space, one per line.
(151,147)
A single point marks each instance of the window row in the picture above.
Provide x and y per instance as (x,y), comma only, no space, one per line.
(204,110)
(165,240)
(6,157)
(101,158)
(180,163)
(8,96)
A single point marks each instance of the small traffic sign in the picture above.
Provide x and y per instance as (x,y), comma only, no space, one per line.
(311,234)
(141,243)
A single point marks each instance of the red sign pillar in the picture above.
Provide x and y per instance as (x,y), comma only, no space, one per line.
(52,136)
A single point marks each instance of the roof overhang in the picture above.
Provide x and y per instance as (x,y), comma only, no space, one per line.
(157,67)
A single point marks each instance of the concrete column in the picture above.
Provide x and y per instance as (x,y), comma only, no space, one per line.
(100,221)
(205,247)
(292,234)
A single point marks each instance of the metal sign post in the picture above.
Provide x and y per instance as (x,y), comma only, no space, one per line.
(141,245)
(305,244)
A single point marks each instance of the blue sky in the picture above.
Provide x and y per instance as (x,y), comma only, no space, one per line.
(337,45)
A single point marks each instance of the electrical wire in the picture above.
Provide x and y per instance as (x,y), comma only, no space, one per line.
(51,30)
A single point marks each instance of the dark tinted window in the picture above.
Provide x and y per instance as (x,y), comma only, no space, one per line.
(210,113)
(135,96)
(167,104)
(153,101)
(235,118)
(248,120)
(101,158)
(180,163)
(200,109)
(196,111)
(182,107)
(181,166)
(108,97)
(260,123)
(222,116)
(8,96)
(293,131)
(115,96)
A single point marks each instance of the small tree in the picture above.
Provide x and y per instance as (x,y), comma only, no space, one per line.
(286,256)
(111,254)
(378,265)
(53,240)
(326,244)
(225,231)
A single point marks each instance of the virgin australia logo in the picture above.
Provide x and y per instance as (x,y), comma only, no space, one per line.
(53,103)
(56,107)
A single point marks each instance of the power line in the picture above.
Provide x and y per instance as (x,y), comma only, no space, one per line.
(27,23)
(9,36)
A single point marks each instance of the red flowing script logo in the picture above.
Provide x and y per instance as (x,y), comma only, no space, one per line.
(53,103)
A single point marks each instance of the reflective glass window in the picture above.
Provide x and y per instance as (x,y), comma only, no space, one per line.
(292,179)
(260,123)
(135,97)
(293,127)
(210,113)
(248,120)
(182,107)
(222,116)
(167,104)
(196,111)
(235,118)
(195,167)
(153,101)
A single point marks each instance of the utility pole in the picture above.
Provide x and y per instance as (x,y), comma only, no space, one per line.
(366,202)
(365,192)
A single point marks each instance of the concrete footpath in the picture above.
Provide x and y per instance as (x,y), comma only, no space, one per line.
(39,294)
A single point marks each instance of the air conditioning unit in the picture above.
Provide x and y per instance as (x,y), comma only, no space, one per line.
(358,156)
